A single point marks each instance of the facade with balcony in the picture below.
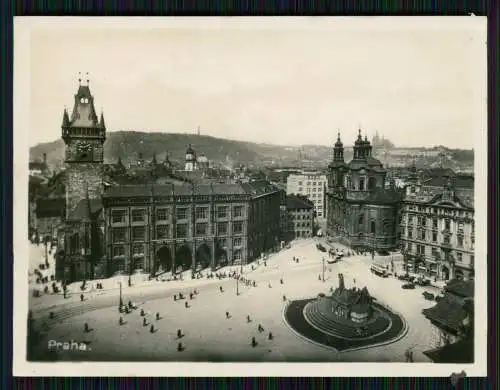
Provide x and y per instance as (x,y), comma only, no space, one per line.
(437,230)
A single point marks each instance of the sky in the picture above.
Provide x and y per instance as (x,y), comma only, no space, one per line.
(418,81)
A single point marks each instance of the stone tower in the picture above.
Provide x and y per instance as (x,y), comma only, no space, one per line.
(84,136)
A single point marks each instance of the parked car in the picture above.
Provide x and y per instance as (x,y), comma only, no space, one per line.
(423,282)
(321,248)
(429,296)
(408,286)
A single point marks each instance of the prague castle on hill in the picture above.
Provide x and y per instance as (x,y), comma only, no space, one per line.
(109,219)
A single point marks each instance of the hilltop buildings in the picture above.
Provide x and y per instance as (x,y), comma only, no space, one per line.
(105,227)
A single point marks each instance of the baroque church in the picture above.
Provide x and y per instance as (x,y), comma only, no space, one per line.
(107,228)
(362,212)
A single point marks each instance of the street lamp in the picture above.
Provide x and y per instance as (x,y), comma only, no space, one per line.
(121,297)
(237,286)
(323,270)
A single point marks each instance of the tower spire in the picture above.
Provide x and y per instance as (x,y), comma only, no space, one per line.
(87,78)
(79,78)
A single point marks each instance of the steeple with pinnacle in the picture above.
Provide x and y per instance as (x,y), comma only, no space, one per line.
(338,150)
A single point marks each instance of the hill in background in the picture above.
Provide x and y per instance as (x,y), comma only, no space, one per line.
(222,152)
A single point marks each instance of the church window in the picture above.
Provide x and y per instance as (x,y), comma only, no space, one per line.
(410,233)
(202,212)
(447,224)
(162,231)
(138,215)
(119,234)
(182,230)
(118,216)
(138,233)
(181,212)
(138,250)
(237,254)
(118,251)
(434,237)
(238,211)
(237,242)
(238,227)
(361,184)
(162,214)
(372,227)
(222,212)
(201,229)
(222,228)
(74,243)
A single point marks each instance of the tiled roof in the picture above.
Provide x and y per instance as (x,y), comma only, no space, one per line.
(447,312)
(459,181)
(293,202)
(462,288)
(460,352)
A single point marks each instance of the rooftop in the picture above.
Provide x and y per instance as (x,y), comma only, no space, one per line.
(461,288)
(448,313)
(460,352)
(294,202)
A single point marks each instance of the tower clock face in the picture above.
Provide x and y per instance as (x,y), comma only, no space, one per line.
(83,149)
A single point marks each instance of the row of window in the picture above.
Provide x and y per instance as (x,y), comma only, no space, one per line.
(138,233)
(296,217)
(422,221)
(139,249)
(421,250)
(138,260)
(163,214)
(422,235)
(436,210)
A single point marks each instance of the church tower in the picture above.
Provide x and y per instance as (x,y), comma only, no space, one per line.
(84,136)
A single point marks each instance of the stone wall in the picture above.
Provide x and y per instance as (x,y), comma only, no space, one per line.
(78,176)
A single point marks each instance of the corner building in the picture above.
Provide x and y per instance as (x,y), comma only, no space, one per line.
(361,212)
(125,228)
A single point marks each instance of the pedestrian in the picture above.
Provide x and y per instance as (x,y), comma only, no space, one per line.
(354,280)
(221,289)
(179,333)
(227,314)
(269,285)
(284,298)
(51,315)
(254,342)
(144,321)
(81,297)
(86,327)
(152,329)
(190,295)
(180,348)
(130,304)
(281,281)
(319,277)
(249,319)
(410,357)
(142,313)
(186,304)
(270,336)
(121,321)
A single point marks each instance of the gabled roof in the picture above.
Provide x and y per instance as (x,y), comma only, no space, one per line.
(460,352)
(294,202)
(462,288)
(447,313)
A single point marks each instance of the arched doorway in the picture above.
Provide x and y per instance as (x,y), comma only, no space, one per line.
(183,258)
(203,257)
(163,260)
(445,272)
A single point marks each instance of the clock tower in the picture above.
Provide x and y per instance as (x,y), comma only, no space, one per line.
(84,136)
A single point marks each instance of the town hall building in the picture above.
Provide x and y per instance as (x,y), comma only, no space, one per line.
(107,229)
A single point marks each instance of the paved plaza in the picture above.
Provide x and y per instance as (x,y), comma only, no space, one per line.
(210,335)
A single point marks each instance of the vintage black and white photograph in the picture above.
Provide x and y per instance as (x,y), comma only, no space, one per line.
(250,190)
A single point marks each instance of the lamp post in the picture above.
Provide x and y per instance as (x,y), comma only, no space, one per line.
(121,297)
(237,286)
(323,269)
